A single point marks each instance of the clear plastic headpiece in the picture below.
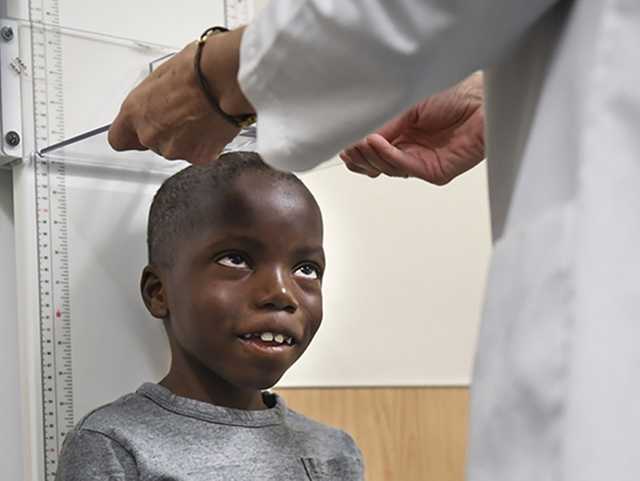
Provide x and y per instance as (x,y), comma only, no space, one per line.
(246,140)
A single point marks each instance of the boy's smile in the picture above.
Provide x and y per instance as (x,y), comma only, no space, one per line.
(243,296)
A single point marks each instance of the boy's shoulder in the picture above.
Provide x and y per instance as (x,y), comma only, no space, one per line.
(324,436)
(124,414)
(326,449)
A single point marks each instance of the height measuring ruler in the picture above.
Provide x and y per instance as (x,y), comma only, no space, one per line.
(52,222)
(56,376)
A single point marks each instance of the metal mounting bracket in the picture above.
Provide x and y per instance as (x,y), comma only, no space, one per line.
(11,69)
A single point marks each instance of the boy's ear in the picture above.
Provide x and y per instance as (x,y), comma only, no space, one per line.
(153,292)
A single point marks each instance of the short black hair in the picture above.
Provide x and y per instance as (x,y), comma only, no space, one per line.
(175,211)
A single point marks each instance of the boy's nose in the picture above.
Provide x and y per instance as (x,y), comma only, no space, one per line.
(275,292)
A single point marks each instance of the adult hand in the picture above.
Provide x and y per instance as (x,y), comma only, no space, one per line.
(170,114)
(435,140)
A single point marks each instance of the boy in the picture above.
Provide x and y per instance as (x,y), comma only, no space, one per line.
(235,270)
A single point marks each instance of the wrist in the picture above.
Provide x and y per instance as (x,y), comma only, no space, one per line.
(220,64)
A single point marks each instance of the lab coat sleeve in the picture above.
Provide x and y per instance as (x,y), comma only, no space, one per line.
(323,73)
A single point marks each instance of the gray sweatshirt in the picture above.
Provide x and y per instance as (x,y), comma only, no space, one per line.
(154,435)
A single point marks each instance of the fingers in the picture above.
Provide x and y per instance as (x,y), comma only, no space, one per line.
(355,162)
(356,168)
(181,143)
(397,126)
(122,135)
(368,158)
(378,161)
(187,149)
(398,159)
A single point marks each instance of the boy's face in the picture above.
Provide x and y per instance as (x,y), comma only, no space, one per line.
(244,294)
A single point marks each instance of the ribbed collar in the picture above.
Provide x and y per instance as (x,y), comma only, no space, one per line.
(215,414)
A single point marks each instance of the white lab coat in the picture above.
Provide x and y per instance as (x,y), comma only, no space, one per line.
(557,372)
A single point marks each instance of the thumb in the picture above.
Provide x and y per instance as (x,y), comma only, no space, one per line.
(122,135)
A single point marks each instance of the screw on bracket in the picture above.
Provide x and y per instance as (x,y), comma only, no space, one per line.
(6,33)
(12,138)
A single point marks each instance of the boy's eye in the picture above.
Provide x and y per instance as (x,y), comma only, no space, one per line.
(308,271)
(233,260)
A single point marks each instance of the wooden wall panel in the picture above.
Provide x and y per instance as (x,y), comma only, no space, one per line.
(405,434)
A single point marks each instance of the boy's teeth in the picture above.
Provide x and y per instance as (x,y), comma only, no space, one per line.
(270,337)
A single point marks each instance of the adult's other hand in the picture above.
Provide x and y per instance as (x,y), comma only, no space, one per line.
(435,140)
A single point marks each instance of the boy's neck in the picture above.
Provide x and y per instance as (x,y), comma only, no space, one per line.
(202,385)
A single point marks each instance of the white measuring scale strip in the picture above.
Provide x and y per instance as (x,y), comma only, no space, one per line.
(56,373)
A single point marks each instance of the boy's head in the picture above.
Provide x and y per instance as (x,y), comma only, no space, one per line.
(235,269)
